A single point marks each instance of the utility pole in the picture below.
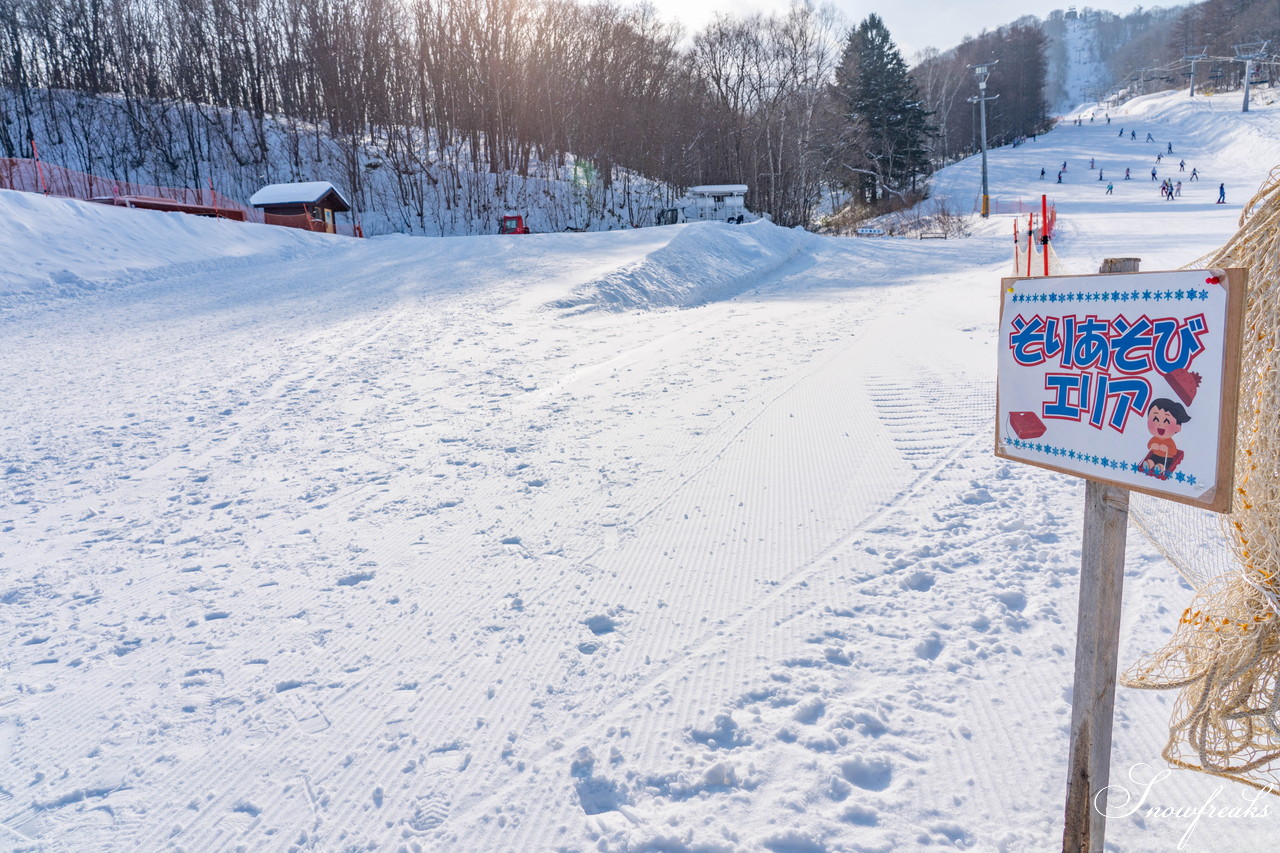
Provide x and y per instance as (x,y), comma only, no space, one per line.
(983,71)
(1249,54)
(1200,56)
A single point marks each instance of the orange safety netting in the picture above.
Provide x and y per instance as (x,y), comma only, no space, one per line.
(39,177)
(998,206)
(1033,253)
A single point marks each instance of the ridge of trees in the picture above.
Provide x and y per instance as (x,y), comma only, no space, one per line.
(879,129)
(1214,26)
(1017,82)
(436,92)
(448,102)
(1147,49)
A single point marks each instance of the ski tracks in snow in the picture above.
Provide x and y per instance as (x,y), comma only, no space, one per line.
(429,459)
(735,588)
(329,574)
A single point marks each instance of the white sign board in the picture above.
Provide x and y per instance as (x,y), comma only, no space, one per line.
(1125,378)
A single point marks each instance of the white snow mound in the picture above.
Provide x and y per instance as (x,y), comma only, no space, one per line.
(58,247)
(705,262)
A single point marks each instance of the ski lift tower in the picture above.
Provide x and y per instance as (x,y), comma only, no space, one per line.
(1200,56)
(1141,81)
(1249,54)
(983,71)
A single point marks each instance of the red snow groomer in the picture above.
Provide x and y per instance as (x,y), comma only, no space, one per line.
(513,225)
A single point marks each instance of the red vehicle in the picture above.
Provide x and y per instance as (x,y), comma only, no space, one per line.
(513,225)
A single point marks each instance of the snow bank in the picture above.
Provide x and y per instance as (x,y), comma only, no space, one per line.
(54,247)
(705,262)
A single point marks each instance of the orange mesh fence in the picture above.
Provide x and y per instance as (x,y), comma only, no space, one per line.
(24,175)
(1003,206)
(19,174)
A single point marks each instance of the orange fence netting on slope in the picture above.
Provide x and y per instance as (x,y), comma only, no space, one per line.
(40,177)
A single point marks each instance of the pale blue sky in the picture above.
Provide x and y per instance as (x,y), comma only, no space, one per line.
(914,24)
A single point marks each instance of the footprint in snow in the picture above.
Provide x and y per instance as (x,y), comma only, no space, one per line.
(429,811)
(929,648)
(918,581)
(1013,599)
(601,624)
(724,734)
(871,773)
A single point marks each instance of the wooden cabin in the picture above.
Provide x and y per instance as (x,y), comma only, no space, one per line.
(310,205)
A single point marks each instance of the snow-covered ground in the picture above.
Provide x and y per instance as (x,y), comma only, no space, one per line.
(675,539)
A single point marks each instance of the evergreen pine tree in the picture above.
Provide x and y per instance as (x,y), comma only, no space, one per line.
(878,144)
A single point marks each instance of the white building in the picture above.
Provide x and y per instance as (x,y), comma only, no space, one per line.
(722,202)
(726,202)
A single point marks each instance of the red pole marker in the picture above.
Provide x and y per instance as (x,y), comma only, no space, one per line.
(1044,231)
(1031,233)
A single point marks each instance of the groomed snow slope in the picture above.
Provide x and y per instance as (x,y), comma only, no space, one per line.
(493,544)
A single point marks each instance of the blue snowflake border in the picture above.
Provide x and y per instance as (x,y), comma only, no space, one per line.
(1091,459)
(1192,295)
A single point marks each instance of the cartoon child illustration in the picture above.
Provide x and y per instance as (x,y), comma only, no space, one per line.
(1164,420)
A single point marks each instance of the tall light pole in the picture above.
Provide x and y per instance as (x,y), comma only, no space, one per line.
(983,71)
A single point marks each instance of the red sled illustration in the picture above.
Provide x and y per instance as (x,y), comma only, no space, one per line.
(1169,469)
(1184,383)
(1026,424)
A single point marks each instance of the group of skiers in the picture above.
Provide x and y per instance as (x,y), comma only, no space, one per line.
(1169,189)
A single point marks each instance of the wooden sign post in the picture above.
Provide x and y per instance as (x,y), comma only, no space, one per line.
(1129,380)
(1093,695)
